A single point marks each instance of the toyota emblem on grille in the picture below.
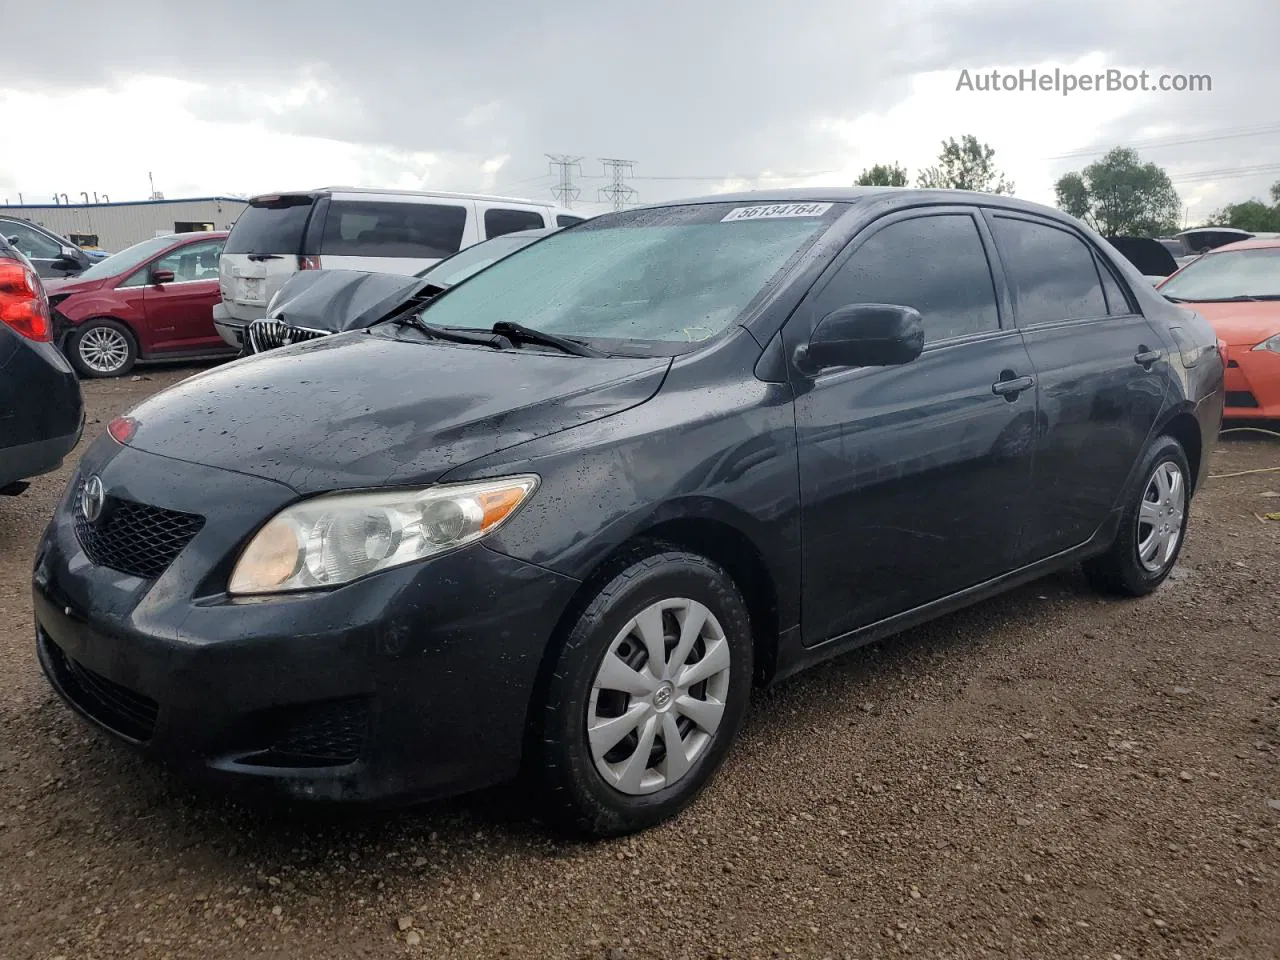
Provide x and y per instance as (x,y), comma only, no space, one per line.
(92,498)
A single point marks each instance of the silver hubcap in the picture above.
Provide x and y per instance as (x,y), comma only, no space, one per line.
(1160,517)
(103,350)
(658,696)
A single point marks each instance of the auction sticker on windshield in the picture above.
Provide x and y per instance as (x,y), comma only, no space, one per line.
(774,210)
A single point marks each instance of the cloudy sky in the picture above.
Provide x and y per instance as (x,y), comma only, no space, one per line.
(703,95)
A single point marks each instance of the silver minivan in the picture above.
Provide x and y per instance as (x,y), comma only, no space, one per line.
(353,228)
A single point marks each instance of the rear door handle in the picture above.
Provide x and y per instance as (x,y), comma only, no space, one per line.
(1146,357)
(1012,386)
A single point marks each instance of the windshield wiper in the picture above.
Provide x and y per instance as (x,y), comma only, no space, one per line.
(518,333)
(265,256)
(414,319)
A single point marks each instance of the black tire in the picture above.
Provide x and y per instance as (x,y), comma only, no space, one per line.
(576,795)
(1121,571)
(78,335)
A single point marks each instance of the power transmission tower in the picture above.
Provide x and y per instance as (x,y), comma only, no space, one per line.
(618,192)
(563,166)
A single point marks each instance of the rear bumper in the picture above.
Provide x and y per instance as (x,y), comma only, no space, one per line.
(33,459)
(1252,384)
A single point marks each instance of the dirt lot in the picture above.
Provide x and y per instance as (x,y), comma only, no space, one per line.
(1046,775)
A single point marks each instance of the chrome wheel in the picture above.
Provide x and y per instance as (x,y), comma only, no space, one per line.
(658,696)
(1160,517)
(103,349)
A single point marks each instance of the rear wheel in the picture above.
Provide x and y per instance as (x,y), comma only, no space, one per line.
(102,348)
(647,694)
(1152,528)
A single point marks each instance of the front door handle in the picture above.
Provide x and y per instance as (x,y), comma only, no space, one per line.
(1145,358)
(1010,386)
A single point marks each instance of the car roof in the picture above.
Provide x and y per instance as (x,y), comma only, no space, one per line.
(908,196)
(391,192)
(1257,243)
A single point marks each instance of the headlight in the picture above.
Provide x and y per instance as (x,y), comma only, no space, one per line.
(1271,343)
(335,539)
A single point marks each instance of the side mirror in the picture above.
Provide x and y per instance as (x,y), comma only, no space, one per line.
(863,335)
(159,276)
(13,240)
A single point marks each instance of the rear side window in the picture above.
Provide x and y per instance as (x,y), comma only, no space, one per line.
(1117,303)
(276,226)
(384,228)
(567,219)
(497,222)
(1051,273)
(935,264)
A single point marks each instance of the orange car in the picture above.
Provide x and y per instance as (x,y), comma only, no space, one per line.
(1237,289)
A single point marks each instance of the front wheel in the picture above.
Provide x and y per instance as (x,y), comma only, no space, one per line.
(1152,528)
(102,348)
(647,694)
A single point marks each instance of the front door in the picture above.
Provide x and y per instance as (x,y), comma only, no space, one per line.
(1102,369)
(180,313)
(913,479)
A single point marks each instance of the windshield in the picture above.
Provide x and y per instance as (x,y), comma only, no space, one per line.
(474,259)
(127,259)
(675,274)
(1229,275)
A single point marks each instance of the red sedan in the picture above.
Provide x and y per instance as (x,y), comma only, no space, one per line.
(1237,289)
(152,301)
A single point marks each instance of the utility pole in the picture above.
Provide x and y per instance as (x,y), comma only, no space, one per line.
(564,166)
(618,192)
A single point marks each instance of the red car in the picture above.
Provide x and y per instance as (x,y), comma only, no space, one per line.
(1237,289)
(152,301)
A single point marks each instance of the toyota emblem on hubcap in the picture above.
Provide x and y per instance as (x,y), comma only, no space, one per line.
(92,498)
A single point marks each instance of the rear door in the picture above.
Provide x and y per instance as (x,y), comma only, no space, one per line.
(264,250)
(1102,372)
(180,314)
(394,234)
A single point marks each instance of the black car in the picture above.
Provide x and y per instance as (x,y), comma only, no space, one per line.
(318,303)
(41,411)
(567,514)
(52,256)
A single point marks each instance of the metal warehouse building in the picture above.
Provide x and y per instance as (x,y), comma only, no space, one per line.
(114,226)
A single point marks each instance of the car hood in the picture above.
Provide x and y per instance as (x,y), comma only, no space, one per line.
(1241,324)
(65,286)
(365,409)
(338,300)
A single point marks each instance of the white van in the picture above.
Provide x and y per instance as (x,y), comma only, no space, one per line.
(354,228)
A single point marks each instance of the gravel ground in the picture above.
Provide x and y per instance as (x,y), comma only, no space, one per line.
(1044,775)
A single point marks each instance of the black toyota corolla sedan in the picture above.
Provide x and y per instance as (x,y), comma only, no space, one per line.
(563,518)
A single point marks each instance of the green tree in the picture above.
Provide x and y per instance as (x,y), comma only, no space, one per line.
(1252,215)
(882,175)
(1121,196)
(967,165)
(1275,193)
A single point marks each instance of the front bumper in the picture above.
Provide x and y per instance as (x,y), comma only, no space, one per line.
(410,684)
(1252,384)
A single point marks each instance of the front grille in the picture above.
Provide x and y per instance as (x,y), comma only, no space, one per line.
(135,538)
(116,707)
(325,734)
(1241,398)
(269,334)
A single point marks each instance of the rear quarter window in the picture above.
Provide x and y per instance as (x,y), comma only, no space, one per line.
(498,221)
(275,228)
(373,228)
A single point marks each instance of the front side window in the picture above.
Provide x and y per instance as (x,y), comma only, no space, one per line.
(1051,273)
(1229,275)
(386,228)
(195,261)
(31,242)
(679,274)
(935,264)
(498,221)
